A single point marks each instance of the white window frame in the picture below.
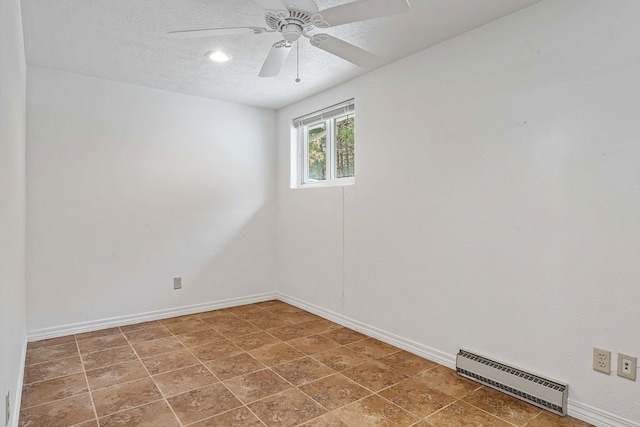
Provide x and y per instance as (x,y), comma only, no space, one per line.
(328,116)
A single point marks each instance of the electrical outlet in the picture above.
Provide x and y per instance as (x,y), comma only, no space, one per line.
(627,366)
(601,360)
(177,283)
(7,408)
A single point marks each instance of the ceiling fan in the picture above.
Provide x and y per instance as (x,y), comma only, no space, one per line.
(296,18)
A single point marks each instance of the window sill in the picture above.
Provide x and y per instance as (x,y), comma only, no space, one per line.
(333,183)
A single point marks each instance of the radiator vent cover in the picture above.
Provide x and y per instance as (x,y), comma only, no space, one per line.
(533,389)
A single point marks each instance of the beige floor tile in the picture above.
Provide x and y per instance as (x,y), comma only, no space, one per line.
(159,346)
(147,334)
(546,419)
(214,350)
(372,348)
(51,341)
(125,396)
(179,319)
(287,409)
(374,411)
(237,329)
(290,332)
(256,385)
(414,396)
(276,354)
(271,322)
(235,365)
(205,336)
(313,344)
(320,325)
(502,406)
(183,380)
(49,370)
(448,381)
(460,414)
(203,403)
(341,358)
(298,317)
(335,391)
(143,325)
(51,353)
(55,389)
(256,341)
(344,336)
(374,375)
(254,313)
(102,343)
(171,361)
(97,334)
(61,413)
(283,308)
(156,414)
(240,417)
(112,356)
(193,325)
(92,423)
(108,376)
(407,363)
(326,420)
(302,371)
(223,318)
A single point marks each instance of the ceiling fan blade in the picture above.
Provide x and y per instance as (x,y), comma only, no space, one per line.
(275,59)
(346,51)
(213,32)
(271,4)
(359,10)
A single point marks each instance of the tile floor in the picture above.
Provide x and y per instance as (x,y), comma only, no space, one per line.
(266,364)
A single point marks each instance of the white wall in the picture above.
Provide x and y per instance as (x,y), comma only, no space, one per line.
(497,199)
(12,205)
(129,187)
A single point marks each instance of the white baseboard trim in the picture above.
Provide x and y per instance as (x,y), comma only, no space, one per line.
(596,416)
(17,396)
(411,346)
(94,325)
(575,409)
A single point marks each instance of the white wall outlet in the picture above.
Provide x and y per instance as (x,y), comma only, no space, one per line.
(7,408)
(627,366)
(177,283)
(601,360)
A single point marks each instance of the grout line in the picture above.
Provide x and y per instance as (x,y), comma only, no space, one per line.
(217,378)
(86,379)
(166,401)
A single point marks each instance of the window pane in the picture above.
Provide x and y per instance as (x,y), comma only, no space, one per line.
(345,153)
(317,152)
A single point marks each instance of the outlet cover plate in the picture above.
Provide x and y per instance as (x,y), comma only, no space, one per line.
(177,283)
(627,366)
(601,360)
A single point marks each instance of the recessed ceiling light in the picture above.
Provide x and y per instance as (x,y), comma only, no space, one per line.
(219,56)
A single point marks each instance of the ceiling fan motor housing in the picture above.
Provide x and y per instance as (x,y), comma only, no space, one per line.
(290,23)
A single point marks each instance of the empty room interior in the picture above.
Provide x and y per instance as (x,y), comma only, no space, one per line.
(404,182)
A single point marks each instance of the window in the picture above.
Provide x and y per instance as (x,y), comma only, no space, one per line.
(326,147)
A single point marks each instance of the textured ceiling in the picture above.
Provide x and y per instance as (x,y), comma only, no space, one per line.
(126,41)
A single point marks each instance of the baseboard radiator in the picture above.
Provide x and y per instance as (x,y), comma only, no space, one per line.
(531,388)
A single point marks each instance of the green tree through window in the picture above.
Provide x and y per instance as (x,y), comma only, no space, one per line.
(318,152)
(345,152)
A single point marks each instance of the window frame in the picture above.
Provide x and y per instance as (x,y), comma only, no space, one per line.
(329,116)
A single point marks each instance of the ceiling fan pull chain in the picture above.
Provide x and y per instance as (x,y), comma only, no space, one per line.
(297,62)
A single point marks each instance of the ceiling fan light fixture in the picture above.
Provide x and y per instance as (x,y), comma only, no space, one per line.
(219,56)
